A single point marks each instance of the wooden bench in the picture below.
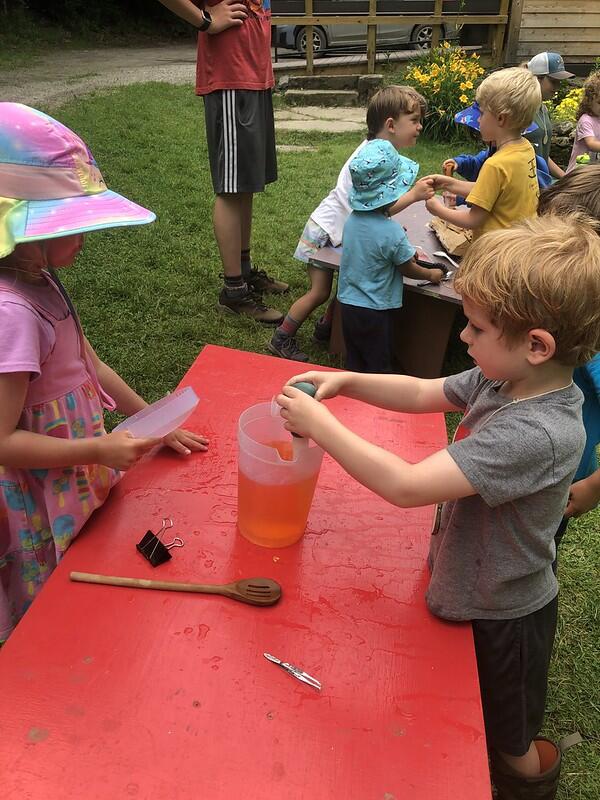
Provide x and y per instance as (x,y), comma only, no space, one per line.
(114,693)
(425,321)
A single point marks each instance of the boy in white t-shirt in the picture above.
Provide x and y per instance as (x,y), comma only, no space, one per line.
(394,113)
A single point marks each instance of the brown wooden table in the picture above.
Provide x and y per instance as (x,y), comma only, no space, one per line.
(424,323)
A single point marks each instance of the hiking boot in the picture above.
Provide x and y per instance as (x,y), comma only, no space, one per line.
(259,281)
(322,333)
(286,347)
(244,303)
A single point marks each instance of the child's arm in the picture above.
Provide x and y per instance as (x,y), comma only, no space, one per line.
(454,185)
(555,170)
(393,392)
(584,495)
(128,403)
(422,190)
(433,480)
(592,144)
(410,269)
(226,14)
(472,217)
(27,450)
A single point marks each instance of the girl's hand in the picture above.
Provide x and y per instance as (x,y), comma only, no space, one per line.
(423,189)
(583,497)
(449,166)
(121,450)
(184,442)
(328,384)
(301,411)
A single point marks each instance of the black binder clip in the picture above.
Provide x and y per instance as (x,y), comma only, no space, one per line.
(153,549)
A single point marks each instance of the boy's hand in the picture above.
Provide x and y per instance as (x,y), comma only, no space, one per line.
(300,411)
(583,497)
(434,206)
(121,450)
(441,181)
(449,166)
(184,442)
(328,384)
(423,189)
(437,275)
(226,14)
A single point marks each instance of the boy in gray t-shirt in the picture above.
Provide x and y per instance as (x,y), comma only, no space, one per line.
(530,298)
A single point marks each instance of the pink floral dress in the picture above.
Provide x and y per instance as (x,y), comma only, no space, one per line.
(43,510)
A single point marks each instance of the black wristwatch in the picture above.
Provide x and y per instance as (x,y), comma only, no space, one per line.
(207,21)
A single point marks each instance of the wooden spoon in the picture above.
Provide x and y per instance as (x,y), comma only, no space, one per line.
(255,591)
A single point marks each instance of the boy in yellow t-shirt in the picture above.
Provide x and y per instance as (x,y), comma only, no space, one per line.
(506,189)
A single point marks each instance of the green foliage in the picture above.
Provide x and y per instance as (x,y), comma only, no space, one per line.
(28,30)
(566,109)
(447,77)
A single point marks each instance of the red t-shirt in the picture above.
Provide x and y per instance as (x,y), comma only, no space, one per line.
(239,57)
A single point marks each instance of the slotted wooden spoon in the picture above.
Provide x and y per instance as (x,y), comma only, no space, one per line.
(255,591)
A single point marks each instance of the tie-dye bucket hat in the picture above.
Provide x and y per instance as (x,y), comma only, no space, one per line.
(50,185)
(380,175)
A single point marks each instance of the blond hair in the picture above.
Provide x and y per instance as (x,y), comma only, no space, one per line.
(391,101)
(514,92)
(576,192)
(591,93)
(543,273)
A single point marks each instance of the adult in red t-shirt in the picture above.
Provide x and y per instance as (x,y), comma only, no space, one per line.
(235,77)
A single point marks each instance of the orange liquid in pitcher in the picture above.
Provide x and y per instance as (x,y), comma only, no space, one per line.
(274,515)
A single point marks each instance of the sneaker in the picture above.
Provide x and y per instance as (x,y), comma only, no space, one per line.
(286,347)
(259,281)
(322,333)
(246,304)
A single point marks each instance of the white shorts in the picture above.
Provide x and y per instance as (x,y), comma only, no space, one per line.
(313,239)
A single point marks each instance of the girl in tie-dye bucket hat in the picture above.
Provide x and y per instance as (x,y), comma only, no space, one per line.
(57,464)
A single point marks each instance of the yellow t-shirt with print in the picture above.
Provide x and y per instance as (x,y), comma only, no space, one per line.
(507,187)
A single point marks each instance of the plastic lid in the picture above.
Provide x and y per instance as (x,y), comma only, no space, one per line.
(162,417)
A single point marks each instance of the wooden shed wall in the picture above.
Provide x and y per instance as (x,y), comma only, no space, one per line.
(569,27)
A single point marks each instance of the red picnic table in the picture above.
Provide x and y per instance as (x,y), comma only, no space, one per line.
(114,693)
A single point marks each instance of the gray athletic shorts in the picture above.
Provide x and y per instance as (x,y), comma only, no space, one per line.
(240,133)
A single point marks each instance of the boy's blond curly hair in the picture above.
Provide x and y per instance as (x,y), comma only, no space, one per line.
(391,101)
(591,93)
(543,273)
(514,92)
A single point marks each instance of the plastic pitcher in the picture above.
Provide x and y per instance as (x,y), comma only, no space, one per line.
(276,479)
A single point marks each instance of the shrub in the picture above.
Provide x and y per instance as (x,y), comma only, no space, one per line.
(447,77)
(566,109)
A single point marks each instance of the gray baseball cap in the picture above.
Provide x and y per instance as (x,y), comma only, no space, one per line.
(550,64)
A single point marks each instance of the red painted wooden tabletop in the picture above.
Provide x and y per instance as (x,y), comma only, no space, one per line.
(114,693)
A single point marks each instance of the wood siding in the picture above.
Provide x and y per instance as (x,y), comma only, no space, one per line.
(569,27)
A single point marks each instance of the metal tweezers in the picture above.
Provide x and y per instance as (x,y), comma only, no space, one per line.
(295,672)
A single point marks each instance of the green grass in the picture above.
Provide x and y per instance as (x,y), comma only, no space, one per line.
(147,300)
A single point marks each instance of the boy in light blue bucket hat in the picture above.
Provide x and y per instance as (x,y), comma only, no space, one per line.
(376,253)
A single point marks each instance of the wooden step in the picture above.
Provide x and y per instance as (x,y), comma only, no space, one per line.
(321,97)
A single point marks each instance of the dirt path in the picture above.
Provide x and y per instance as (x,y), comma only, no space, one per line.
(60,76)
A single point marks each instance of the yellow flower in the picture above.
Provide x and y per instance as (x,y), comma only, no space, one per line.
(463,98)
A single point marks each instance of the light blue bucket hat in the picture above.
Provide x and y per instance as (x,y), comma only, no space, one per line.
(380,175)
